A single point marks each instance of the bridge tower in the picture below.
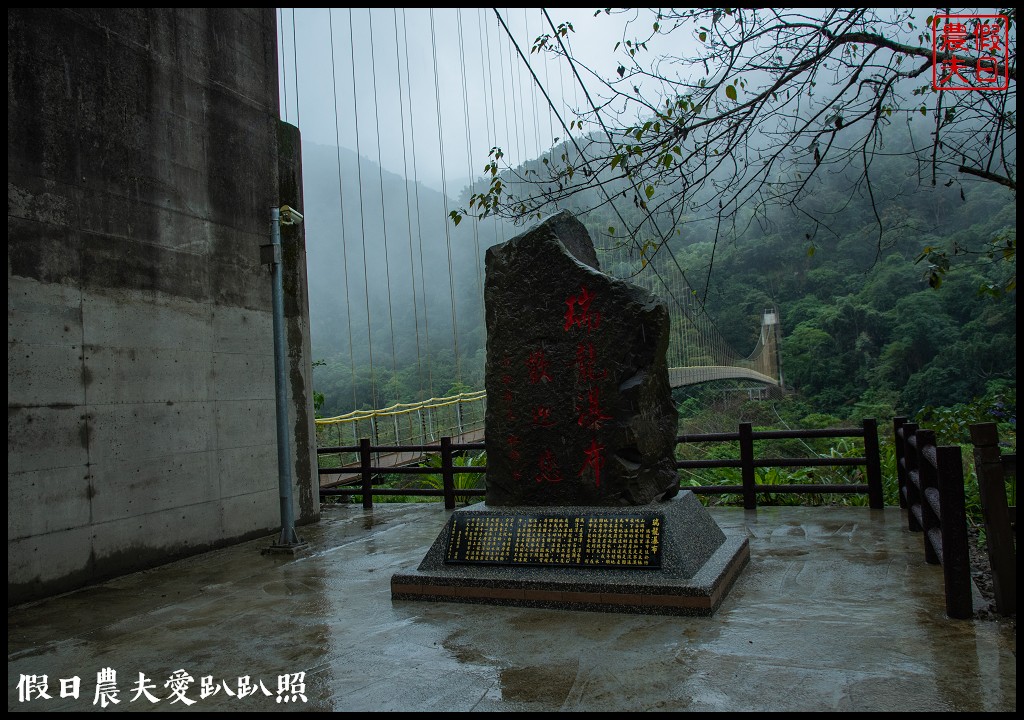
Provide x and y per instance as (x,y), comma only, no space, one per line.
(771,340)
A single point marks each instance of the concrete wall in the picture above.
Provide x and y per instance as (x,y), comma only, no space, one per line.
(144,156)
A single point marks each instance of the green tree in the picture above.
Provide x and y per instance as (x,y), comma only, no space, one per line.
(718,115)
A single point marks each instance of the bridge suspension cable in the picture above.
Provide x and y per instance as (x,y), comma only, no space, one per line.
(408,204)
(295,66)
(419,216)
(487,79)
(341,207)
(469,159)
(362,211)
(688,306)
(380,174)
(284,68)
(444,196)
(698,350)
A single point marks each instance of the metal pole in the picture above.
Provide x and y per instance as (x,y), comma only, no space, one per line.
(288,539)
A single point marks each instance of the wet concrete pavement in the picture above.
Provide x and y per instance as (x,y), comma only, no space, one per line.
(837,610)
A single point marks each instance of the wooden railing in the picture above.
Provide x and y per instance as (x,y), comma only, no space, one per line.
(368,471)
(747,462)
(931,482)
(993,468)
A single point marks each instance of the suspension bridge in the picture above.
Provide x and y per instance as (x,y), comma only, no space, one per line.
(461,416)
(419,116)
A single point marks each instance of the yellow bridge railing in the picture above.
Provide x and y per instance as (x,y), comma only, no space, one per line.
(418,423)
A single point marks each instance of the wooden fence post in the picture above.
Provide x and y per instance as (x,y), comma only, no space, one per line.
(911,461)
(998,534)
(447,476)
(876,498)
(364,466)
(956,562)
(901,470)
(928,495)
(747,469)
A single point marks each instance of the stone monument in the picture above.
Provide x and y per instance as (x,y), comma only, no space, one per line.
(582,508)
(579,407)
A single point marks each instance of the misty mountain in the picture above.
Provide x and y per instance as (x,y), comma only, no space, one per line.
(388,270)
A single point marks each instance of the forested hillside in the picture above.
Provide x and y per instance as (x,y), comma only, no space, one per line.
(864,333)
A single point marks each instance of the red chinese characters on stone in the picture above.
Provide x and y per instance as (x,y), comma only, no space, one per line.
(510,414)
(593,459)
(547,467)
(506,396)
(591,415)
(542,416)
(513,448)
(538,364)
(578,312)
(586,358)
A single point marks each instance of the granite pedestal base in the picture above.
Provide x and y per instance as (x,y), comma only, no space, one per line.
(698,566)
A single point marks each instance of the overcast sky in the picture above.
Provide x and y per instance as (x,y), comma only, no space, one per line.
(480,79)
(402,72)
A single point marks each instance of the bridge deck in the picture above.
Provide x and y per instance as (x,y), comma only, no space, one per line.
(680,376)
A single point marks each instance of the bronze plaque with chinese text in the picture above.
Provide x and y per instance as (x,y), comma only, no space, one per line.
(631,541)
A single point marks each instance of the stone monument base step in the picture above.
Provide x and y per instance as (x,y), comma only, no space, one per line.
(667,558)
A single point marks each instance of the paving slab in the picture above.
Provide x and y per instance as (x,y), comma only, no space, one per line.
(836,611)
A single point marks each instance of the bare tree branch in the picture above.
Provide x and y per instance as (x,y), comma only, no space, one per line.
(770,103)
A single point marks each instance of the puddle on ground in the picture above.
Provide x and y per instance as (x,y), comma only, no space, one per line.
(371,522)
(283,588)
(788,552)
(463,653)
(548,685)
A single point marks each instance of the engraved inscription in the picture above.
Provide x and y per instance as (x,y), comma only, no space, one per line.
(597,541)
